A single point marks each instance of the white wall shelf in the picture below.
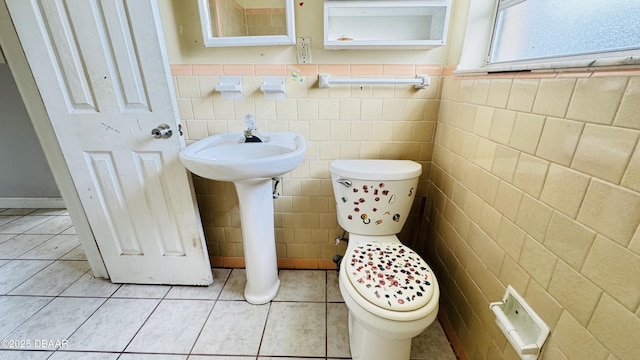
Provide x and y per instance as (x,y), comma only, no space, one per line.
(418,24)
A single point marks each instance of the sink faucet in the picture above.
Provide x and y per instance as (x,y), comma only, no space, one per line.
(251,134)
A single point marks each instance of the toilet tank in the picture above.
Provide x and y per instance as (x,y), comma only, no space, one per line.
(374,197)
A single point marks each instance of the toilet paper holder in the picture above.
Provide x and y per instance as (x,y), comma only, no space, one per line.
(524,329)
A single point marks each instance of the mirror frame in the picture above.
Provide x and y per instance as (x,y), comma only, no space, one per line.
(213,41)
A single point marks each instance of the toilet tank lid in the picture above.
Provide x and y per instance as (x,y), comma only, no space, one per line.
(367,169)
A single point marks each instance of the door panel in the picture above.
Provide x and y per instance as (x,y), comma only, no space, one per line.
(101,68)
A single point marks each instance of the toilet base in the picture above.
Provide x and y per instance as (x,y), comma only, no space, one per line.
(366,345)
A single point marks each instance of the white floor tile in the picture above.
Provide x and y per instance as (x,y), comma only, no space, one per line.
(17,211)
(211,357)
(338,330)
(20,244)
(113,326)
(54,248)
(333,288)
(70,231)
(16,272)
(151,357)
(210,292)
(50,212)
(234,288)
(233,328)
(5,237)
(64,355)
(17,309)
(56,225)
(52,326)
(432,344)
(76,253)
(24,355)
(173,327)
(90,286)
(302,285)
(54,279)
(7,219)
(142,291)
(4,262)
(23,224)
(295,329)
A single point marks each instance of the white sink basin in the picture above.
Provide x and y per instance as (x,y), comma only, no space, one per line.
(221,157)
(250,166)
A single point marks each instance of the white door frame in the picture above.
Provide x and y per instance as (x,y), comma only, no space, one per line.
(21,71)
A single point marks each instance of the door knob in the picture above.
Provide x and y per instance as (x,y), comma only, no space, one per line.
(162,132)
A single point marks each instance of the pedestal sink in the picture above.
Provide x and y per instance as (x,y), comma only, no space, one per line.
(250,166)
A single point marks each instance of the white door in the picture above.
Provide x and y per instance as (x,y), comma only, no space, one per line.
(101,68)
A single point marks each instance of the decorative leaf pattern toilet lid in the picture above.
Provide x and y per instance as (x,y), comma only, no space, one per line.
(390,275)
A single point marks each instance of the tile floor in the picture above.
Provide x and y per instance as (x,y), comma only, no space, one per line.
(52,308)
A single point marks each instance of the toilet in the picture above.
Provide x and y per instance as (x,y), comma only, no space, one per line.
(390,291)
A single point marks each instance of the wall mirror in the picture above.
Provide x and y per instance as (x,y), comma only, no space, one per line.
(247,22)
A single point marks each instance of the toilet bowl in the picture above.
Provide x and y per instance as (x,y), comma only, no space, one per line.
(391,293)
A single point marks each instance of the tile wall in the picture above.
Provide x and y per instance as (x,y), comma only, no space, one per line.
(535,182)
(344,121)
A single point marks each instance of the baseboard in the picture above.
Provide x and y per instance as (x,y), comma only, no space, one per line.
(283,263)
(31,203)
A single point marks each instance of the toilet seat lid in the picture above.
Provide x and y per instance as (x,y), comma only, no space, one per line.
(390,275)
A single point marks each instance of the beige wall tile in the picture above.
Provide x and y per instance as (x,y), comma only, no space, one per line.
(487,186)
(514,275)
(564,189)
(508,200)
(371,109)
(349,109)
(187,87)
(223,109)
(207,85)
(510,238)
(482,123)
(611,210)
(185,110)
(202,109)
(265,109)
(537,261)
(330,109)
(627,115)
(502,126)
(392,109)
(553,97)
(307,109)
(534,217)
(631,177)
(577,294)
(613,325)
(596,99)
(604,151)
(485,153)
(543,304)
(620,279)
(575,341)
(505,162)
(569,240)
(499,92)
(635,242)
(523,92)
(530,174)
(526,132)
(559,140)
(480,91)
(465,90)
(414,109)
(490,220)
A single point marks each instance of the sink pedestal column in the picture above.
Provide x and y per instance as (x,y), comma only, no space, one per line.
(258,237)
